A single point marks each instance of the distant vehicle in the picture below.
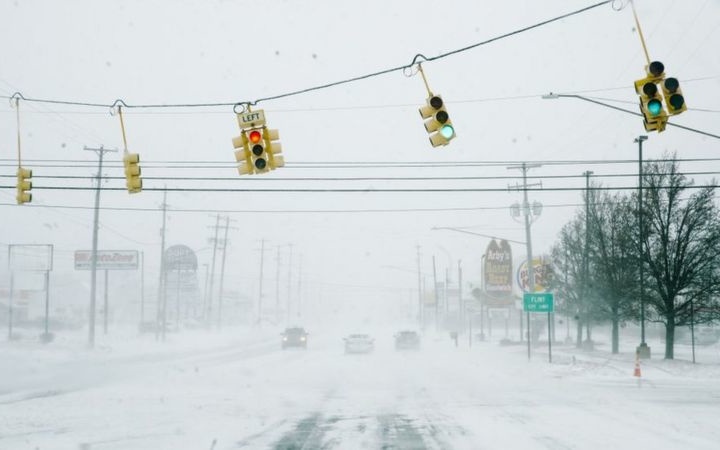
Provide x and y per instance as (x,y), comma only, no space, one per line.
(407,340)
(359,343)
(294,337)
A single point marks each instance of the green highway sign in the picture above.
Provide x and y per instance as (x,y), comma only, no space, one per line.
(538,302)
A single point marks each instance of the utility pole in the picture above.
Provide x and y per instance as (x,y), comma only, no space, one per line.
(277,285)
(420,305)
(142,287)
(437,296)
(93,263)
(212,273)
(586,256)
(260,290)
(161,319)
(528,239)
(289,285)
(643,350)
(222,271)
(299,300)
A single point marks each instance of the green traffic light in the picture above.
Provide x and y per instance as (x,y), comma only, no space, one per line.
(654,107)
(447,131)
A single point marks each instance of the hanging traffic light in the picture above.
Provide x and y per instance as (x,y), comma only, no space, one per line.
(674,98)
(273,147)
(132,172)
(651,105)
(258,146)
(258,155)
(24,185)
(437,121)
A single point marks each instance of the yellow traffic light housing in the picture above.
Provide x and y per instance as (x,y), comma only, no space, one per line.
(674,99)
(258,146)
(273,148)
(242,156)
(437,121)
(258,155)
(655,117)
(133,182)
(24,185)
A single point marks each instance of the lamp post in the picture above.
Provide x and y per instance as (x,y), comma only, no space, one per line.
(643,350)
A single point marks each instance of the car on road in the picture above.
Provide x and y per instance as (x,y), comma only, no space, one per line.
(294,337)
(407,340)
(359,343)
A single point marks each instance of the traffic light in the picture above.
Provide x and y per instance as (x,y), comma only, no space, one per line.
(258,155)
(273,147)
(132,172)
(437,121)
(673,96)
(651,105)
(242,156)
(24,185)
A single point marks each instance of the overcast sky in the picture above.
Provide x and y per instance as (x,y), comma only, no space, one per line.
(179,52)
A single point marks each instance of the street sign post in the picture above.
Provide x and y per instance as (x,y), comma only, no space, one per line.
(542,303)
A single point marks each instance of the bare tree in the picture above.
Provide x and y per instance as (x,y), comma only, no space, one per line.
(681,248)
(567,257)
(614,259)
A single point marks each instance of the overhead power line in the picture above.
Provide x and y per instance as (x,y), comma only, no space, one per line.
(352,190)
(418,58)
(430,178)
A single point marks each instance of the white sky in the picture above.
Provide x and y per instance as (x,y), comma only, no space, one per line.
(224,51)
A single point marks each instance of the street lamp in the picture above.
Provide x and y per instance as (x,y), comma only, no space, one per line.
(643,350)
(553,96)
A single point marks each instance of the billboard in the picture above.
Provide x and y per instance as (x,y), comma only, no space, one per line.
(30,258)
(107,260)
(498,269)
(543,274)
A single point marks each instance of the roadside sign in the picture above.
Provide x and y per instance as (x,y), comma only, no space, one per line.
(539,302)
(107,260)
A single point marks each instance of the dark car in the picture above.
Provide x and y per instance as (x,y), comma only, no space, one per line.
(294,337)
(407,340)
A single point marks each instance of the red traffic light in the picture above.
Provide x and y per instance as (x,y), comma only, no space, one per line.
(254,136)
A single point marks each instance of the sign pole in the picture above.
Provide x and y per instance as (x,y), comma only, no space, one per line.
(549,339)
(10,308)
(105,308)
(47,302)
(528,334)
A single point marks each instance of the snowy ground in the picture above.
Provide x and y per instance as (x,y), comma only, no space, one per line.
(237,389)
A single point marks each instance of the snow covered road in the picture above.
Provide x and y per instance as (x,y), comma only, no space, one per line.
(247,393)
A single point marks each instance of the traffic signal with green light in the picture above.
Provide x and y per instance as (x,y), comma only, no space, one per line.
(437,121)
(133,182)
(273,147)
(674,98)
(24,185)
(655,117)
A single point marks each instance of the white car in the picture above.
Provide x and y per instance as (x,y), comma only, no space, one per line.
(359,343)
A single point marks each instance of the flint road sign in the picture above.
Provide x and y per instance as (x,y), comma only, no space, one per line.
(538,302)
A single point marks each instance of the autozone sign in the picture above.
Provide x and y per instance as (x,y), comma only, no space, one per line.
(107,260)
